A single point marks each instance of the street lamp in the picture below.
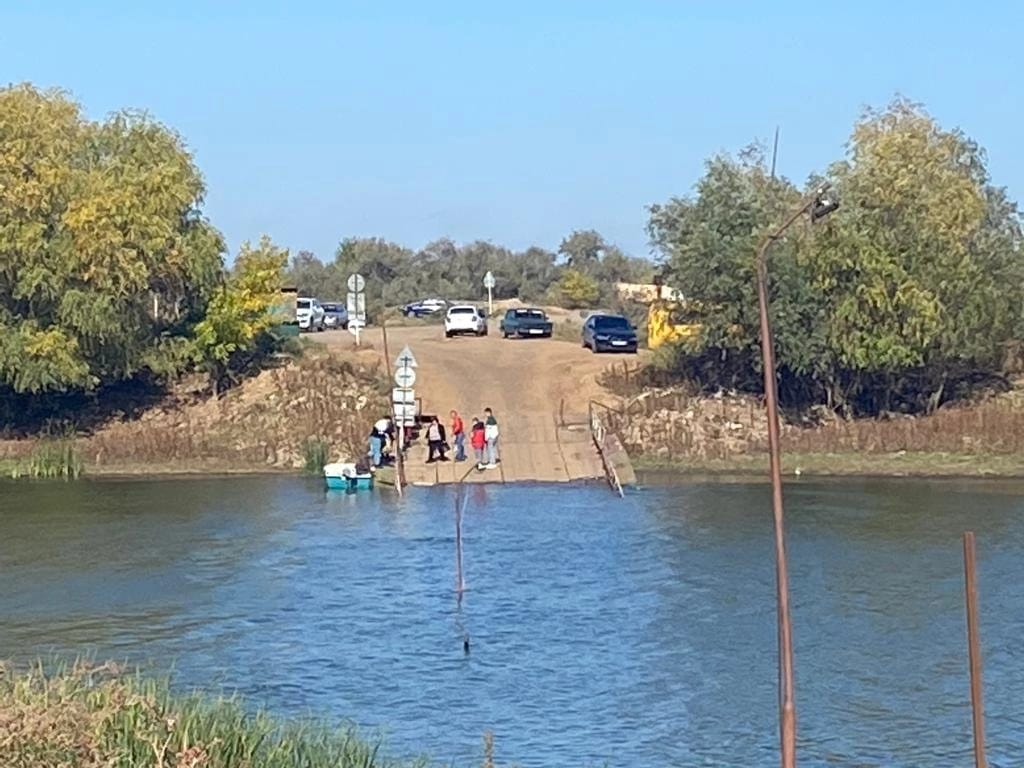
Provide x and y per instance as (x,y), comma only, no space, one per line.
(819,205)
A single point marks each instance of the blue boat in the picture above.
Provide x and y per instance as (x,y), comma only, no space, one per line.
(344,476)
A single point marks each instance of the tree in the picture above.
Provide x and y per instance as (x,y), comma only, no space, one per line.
(708,244)
(922,265)
(913,288)
(105,252)
(582,249)
(238,317)
(578,289)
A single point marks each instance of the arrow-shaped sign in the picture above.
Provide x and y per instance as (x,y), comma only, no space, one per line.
(406,359)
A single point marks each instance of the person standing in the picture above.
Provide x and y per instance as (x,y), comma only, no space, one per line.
(435,441)
(479,442)
(458,436)
(492,434)
(376,446)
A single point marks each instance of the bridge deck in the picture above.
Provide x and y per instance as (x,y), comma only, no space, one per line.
(532,449)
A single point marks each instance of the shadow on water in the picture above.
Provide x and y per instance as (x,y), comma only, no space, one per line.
(638,632)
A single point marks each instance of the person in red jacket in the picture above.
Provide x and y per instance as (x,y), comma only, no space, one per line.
(478,440)
(458,436)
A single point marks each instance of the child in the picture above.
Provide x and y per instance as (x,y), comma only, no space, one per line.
(479,441)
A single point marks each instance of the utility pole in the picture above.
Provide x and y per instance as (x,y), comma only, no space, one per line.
(819,206)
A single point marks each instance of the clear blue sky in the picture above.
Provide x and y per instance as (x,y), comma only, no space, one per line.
(511,122)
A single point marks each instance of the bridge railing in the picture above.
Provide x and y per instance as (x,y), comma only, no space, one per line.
(601,417)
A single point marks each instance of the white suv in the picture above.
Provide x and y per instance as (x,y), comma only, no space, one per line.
(309,314)
(464,318)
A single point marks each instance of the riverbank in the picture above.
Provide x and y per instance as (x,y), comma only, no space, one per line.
(673,429)
(97,716)
(319,403)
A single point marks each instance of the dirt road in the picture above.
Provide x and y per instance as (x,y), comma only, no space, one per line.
(525,381)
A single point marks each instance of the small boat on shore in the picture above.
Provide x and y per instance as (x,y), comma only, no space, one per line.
(345,476)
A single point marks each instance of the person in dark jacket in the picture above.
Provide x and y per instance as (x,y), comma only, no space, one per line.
(436,441)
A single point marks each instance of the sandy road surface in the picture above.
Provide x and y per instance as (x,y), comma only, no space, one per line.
(525,382)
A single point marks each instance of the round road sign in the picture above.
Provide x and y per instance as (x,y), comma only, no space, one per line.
(356,282)
(405,377)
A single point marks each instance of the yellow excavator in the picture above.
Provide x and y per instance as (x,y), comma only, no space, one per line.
(671,319)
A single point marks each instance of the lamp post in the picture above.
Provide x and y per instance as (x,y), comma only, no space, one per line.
(819,206)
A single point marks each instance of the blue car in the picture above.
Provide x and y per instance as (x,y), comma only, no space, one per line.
(424,308)
(609,333)
(335,315)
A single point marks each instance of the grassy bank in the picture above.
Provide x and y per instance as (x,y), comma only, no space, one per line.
(898,464)
(96,717)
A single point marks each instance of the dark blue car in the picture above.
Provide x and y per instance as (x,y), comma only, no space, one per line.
(609,333)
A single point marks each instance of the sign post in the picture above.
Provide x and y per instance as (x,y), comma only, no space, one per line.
(489,285)
(356,304)
(403,397)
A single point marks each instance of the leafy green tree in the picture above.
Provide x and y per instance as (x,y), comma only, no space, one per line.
(582,249)
(235,329)
(708,243)
(922,265)
(912,288)
(105,252)
(578,289)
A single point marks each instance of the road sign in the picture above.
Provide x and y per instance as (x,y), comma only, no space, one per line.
(355,303)
(405,414)
(401,396)
(405,377)
(489,285)
(356,283)
(406,359)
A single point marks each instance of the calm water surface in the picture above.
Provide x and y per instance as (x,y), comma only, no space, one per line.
(637,632)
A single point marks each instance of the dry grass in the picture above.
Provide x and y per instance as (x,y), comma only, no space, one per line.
(672,425)
(265,423)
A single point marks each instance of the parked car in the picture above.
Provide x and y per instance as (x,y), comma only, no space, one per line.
(335,315)
(609,333)
(309,314)
(424,307)
(464,318)
(526,322)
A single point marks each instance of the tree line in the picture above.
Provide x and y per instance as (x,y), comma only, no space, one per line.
(907,296)
(581,273)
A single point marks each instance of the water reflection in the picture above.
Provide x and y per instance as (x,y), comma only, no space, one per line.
(638,632)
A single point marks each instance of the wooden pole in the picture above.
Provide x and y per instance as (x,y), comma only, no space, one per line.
(974,649)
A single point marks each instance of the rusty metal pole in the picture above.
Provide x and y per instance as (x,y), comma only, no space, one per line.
(974,650)
(787,700)
(787,676)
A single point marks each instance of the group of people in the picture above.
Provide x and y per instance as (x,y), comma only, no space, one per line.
(483,438)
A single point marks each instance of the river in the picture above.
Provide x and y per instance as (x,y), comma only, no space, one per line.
(637,632)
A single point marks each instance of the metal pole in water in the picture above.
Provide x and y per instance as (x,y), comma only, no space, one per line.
(459,572)
(974,649)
